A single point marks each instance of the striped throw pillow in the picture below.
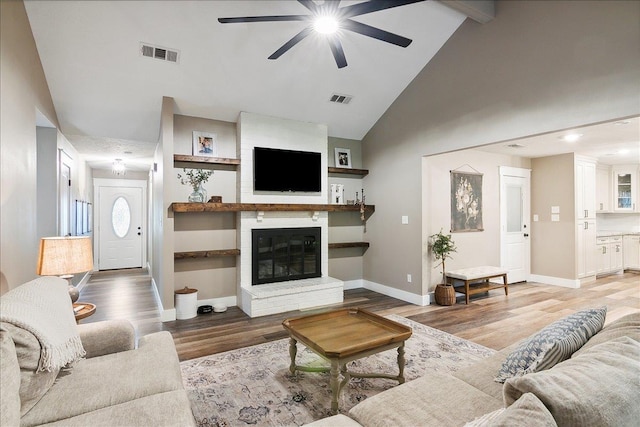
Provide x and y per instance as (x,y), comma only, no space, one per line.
(552,344)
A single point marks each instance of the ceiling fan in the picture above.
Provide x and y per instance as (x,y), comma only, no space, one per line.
(328,18)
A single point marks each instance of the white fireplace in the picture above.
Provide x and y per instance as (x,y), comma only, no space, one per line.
(262,131)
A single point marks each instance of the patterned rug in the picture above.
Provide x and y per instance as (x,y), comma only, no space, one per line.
(253,386)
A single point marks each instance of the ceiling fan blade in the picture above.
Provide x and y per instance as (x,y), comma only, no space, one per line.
(276,18)
(338,53)
(309,4)
(291,43)
(376,33)
(373,6)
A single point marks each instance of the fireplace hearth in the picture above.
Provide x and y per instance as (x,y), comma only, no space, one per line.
(282,254)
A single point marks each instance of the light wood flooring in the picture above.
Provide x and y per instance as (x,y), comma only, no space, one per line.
(493,319)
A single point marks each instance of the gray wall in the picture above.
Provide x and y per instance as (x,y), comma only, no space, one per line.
(537,67)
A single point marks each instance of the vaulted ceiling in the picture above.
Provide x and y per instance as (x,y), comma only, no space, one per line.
(108,95)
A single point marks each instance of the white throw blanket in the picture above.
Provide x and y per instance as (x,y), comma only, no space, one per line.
(43,307)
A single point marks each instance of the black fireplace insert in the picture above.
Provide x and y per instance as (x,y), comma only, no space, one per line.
(281,254)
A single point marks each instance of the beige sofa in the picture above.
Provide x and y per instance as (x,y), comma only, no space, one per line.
(597,386)
(115,384)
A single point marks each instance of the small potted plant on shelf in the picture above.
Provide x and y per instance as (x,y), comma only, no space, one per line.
(442,246)
(195,178)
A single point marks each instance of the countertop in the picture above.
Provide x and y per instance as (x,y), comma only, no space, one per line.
(606,233)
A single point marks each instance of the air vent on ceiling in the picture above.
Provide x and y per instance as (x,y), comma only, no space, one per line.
(157,52)
(515,146)
(340,99)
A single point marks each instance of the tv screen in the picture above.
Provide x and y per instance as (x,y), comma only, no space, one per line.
(286,170)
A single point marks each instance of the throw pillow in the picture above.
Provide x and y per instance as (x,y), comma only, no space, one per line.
(599,387)
(553,344)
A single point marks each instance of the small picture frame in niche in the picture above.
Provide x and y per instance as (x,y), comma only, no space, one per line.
(343,158)
(204,144)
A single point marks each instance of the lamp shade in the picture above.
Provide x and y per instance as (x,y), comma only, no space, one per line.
(64,255)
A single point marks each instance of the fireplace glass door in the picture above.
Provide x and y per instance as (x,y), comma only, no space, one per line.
(285,254)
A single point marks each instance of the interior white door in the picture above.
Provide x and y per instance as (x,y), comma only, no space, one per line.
(515,248)
(120,227)
(64,185)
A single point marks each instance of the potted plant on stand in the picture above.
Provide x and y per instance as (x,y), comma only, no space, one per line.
(195,178)
(442,246)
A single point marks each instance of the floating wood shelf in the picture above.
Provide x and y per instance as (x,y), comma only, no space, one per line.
(346,171)
(348,245)
(206,254)
(216,162)
(272,207)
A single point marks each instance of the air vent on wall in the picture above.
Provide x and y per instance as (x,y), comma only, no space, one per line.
(340,99)
(157,52)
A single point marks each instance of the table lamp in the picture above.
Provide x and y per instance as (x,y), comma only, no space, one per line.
(64,257)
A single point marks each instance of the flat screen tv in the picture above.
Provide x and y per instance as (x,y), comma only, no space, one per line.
(286,170)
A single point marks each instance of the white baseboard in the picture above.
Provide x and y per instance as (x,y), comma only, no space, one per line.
(409,297)
(353,284)
(168,315)
(555,281)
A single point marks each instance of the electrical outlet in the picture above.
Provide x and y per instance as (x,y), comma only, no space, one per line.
(405,219)
(409,278)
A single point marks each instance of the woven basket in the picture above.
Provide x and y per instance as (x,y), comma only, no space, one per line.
(445,295)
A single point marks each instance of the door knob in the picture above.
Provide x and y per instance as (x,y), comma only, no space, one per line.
(526,234)
(139,233)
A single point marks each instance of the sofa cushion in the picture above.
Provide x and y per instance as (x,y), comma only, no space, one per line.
(552,344)
(33,383)
(164,409)
(528,411)
(433,400)
(334,421)
(9,382)
(481,374)
(100,382)
(599,387)
(626,326)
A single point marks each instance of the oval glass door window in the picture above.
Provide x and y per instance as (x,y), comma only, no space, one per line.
(121,217)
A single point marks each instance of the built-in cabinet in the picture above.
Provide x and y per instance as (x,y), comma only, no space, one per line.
(625,189)
(631,248)
(585,189)
(609,255)
(585,202)
(603,189)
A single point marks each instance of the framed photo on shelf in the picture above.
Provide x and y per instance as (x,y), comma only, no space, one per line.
(343,158)
(204,144)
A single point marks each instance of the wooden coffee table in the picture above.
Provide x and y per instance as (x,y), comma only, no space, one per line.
(342,336)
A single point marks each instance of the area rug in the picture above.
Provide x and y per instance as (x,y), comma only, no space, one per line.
(253,385)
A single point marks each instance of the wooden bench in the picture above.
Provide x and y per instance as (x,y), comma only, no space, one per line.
(476,280)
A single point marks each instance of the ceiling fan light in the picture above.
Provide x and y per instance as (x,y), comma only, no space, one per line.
(325,24)
(118,167)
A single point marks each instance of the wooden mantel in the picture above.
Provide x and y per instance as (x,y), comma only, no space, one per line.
(266,207)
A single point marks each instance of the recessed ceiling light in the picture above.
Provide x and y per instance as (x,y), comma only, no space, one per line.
(623,151)
(326,24)
(571,137)
(621,122)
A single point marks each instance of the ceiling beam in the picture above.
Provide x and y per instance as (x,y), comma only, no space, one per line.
(481,11)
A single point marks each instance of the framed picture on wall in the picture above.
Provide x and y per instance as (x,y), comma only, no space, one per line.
(343,158)
(466,202)
(204,144)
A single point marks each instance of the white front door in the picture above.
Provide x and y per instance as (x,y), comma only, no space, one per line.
(515,248)
(120,227)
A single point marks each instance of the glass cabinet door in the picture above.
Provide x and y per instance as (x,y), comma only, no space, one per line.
(623,191)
